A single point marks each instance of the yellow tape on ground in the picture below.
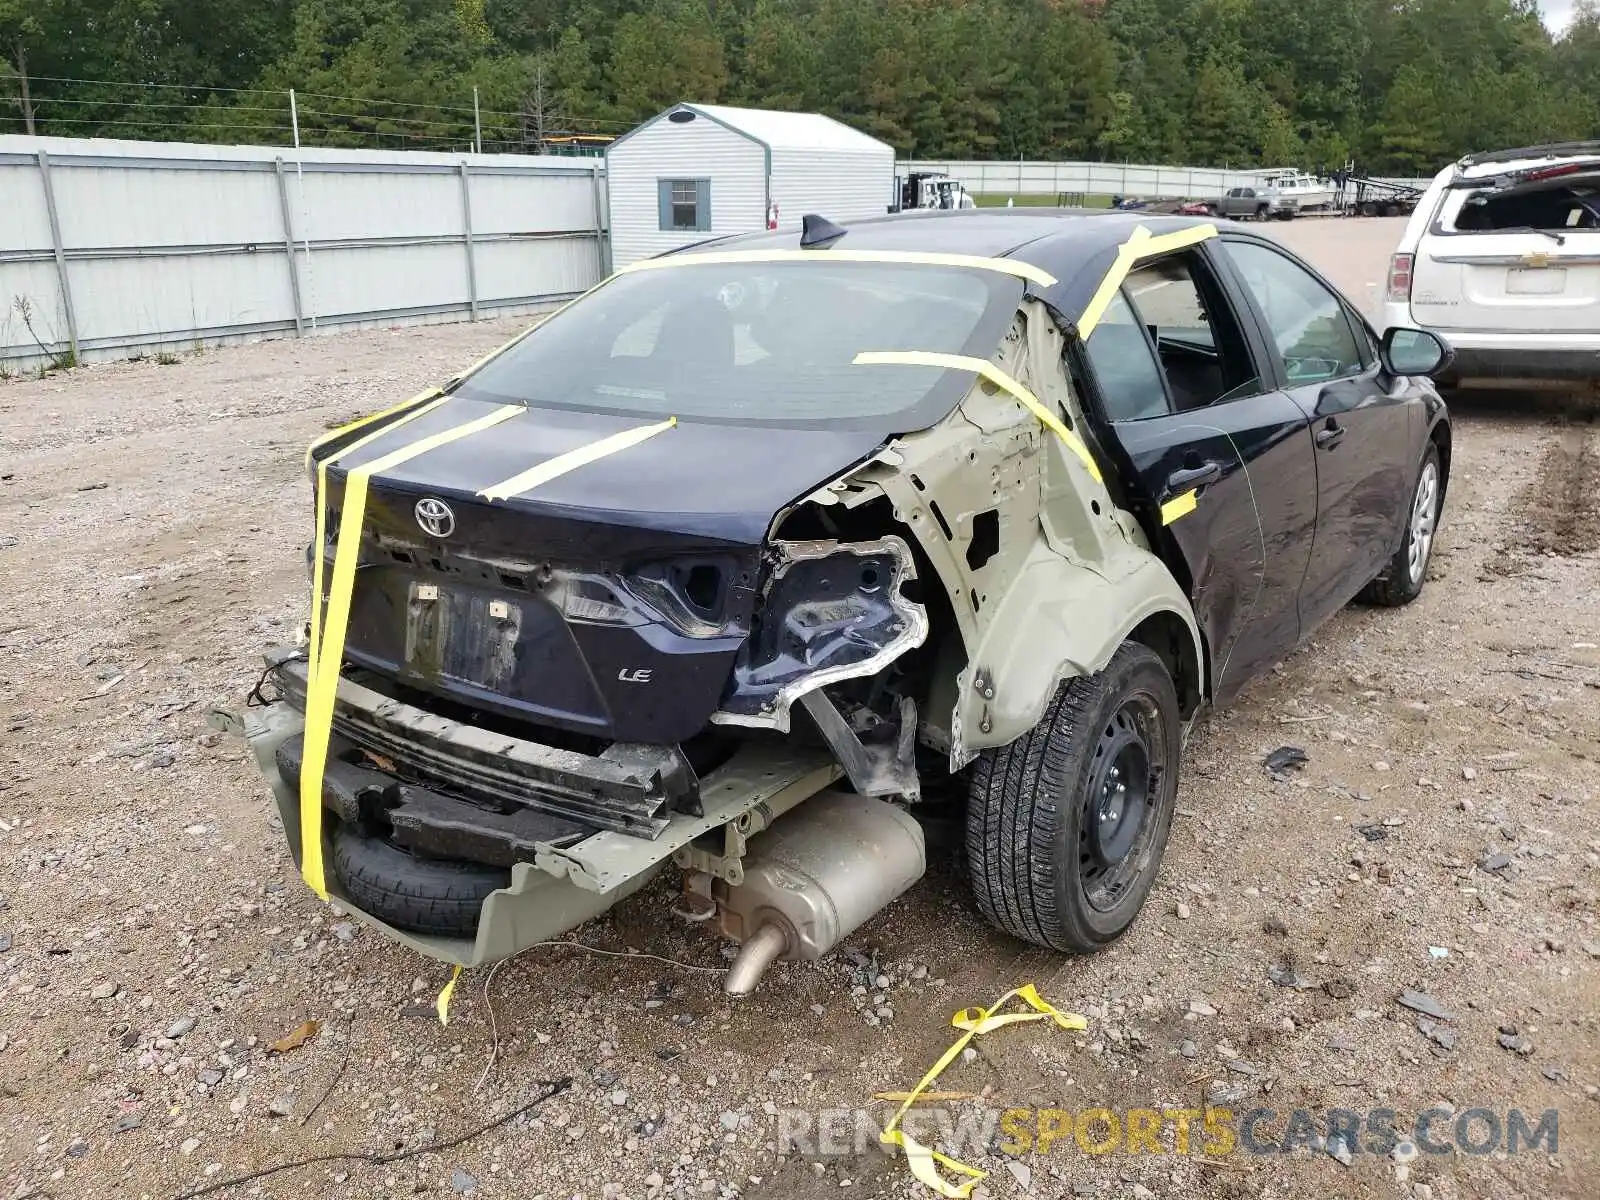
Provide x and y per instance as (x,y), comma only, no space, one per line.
(925,258)
(333,434)
(923,1161)
(1141,244)
(982,366)
(562,463)
(1179,506)
(322,504)
(323,677)
(443,1002)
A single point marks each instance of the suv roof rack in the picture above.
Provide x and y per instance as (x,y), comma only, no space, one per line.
(1551,150)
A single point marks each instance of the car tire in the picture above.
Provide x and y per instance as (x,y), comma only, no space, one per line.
(1402,578)
(1051,853)
(443,897)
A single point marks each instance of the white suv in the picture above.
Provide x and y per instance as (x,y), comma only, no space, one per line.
(1502,258)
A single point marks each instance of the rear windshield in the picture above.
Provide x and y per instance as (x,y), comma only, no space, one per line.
(1553,205)
(757,342)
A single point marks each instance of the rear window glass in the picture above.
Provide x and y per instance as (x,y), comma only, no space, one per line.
(1549,206)
(760,342)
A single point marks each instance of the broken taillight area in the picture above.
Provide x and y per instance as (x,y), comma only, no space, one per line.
(831,611)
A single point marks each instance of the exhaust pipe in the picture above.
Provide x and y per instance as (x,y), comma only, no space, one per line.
(815,877)
(759,953)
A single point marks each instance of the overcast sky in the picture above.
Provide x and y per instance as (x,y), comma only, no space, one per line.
(1556,13)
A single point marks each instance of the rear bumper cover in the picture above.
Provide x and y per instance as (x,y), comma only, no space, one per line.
(1508,366)
(569,881)
(629,788)
(1505,358)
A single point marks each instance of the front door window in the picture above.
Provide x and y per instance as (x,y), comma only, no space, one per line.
(1309,326)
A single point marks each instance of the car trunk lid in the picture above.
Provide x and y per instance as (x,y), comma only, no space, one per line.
(609,602)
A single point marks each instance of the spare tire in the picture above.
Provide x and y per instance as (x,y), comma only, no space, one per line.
(424,895)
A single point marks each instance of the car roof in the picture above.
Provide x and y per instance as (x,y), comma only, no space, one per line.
(1075,245)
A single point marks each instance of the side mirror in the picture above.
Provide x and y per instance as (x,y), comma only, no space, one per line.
(1415,352)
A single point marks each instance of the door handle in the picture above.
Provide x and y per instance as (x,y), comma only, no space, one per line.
(1193,477)
(1330,435)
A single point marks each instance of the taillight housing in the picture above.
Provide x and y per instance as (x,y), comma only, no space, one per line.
(1400,276)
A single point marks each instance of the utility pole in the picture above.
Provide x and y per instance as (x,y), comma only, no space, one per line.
(477,124)
(22,78)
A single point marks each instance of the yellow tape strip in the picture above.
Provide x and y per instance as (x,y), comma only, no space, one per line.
(924,1161)
(322,504)
(562,463)
(973,262)
(985,368)
(324,672)
(1141,244)
(1179,506)
(443,1002)
(333,434)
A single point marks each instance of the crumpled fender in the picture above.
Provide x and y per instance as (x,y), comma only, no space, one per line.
(1060,619)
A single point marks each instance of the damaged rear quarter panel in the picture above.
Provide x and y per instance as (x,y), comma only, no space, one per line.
(1046,577)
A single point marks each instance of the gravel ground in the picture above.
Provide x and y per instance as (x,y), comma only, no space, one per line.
(155,939)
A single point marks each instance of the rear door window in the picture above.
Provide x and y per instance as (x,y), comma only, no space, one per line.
(1169,343)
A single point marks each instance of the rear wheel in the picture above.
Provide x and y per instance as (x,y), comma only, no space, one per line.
(1401,581)
(1067,825)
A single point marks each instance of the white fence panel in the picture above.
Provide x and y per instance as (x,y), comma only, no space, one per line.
(569,264)
(1152,182)
(123,247)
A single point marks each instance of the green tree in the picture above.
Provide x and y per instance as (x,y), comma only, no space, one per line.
(1396,84)
(662,56)
(1411,132)
(1224,117)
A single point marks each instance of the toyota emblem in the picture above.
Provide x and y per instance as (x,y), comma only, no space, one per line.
(435,518)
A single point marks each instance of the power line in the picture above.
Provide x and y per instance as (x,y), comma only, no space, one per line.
(183,87)
(367,100)
(487,112)
(502,126)
(273,108)
(312,112)
(149,124)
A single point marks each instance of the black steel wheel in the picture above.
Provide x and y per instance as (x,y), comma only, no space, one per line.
(1066,826)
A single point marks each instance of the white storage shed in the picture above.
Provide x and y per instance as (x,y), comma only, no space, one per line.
(704,170)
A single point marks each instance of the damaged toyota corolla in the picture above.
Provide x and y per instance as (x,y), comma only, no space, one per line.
(756,550)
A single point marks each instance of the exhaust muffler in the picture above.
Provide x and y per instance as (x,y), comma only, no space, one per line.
(814,878)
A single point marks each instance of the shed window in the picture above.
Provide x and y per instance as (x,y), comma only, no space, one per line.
(685,204)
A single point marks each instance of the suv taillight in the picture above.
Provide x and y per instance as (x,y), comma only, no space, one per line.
(1400,277)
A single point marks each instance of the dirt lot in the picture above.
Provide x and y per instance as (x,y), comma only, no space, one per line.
(154,937)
